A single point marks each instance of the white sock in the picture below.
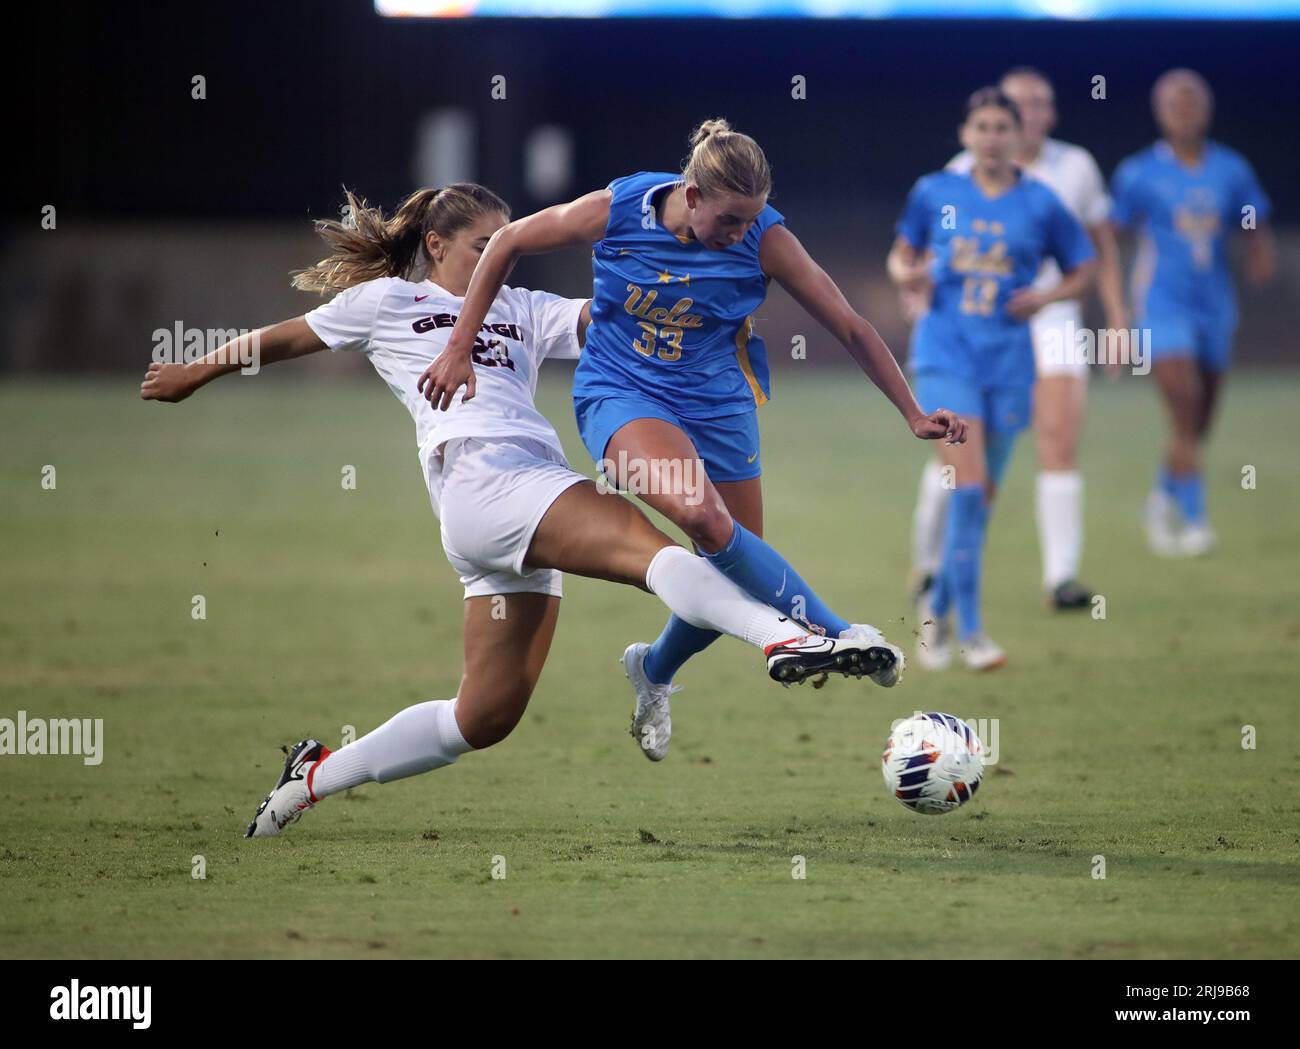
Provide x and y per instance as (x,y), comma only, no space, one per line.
(704,597)
(1059,507)
(418,739)
(927,520)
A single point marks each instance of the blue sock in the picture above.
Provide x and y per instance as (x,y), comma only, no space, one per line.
(671,649)
(940,592)
(1189,494)
(963,548)
(767,576)
(1165,481)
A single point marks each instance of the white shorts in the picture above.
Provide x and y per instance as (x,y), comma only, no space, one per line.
(490,494)
(1053,331)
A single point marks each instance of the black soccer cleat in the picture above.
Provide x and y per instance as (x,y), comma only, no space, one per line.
(1070,595)
(793,662)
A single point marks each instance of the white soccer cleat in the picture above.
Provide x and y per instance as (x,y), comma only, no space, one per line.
(652,722)
(887,676)
(1196,540)
(980,653)
(292,795)
(934,636)
(793,662)
(1160,516)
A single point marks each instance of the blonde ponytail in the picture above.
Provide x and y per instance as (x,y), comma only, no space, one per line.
(366,245)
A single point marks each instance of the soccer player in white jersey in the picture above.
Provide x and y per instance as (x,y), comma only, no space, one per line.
(1061,387)
(514,515)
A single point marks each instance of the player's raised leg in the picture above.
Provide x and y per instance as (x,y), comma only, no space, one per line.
(587,532)
(504,655)
(663,452)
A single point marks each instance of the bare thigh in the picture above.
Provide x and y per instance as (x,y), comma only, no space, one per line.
(595,533)
(670,477)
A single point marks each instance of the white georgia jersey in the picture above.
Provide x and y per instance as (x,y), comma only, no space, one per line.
(1071,173)
(402,326)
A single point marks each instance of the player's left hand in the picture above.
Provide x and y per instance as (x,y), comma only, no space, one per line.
(942,423)
(1025,302)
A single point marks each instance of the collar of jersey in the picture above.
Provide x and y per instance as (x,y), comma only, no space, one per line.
(1020,181)
(645,200)
(442,289)
(1166,152)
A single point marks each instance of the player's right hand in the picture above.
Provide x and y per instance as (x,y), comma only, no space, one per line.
(440,381)
(167,382)
(942,423)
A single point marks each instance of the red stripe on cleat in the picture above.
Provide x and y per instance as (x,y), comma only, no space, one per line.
(781,644)
(311,773)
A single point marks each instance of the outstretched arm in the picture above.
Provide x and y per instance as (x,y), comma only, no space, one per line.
(279,342)
(577,223)
(783,257)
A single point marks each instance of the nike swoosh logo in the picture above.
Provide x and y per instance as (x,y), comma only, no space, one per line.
(421,298)
(782,590)
(752,458)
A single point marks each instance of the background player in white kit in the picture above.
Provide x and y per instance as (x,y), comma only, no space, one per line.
(1061,388)
(514,515)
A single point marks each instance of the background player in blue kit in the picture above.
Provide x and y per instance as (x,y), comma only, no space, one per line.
(672,374)
(975,243)
(1184,195)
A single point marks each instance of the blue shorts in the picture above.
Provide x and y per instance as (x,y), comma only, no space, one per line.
(1002,409)
(728,445)
(1202,332)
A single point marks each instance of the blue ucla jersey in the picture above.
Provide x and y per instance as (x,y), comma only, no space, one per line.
(670,318)
(1184,216)
(983,251)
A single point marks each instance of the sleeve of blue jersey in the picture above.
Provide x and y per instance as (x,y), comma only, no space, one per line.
(767,218)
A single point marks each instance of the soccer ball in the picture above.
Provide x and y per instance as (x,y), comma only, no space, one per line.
(933,763)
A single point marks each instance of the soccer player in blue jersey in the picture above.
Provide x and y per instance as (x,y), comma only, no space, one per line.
(1061,390)
(671,375)
(1184,195)
(974,242)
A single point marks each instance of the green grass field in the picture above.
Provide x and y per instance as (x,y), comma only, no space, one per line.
(1119,737)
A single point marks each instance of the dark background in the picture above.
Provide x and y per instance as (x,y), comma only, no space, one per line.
(173,208)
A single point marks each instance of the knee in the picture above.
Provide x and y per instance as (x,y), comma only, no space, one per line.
(489,725)
(708,525)
(1056,450)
